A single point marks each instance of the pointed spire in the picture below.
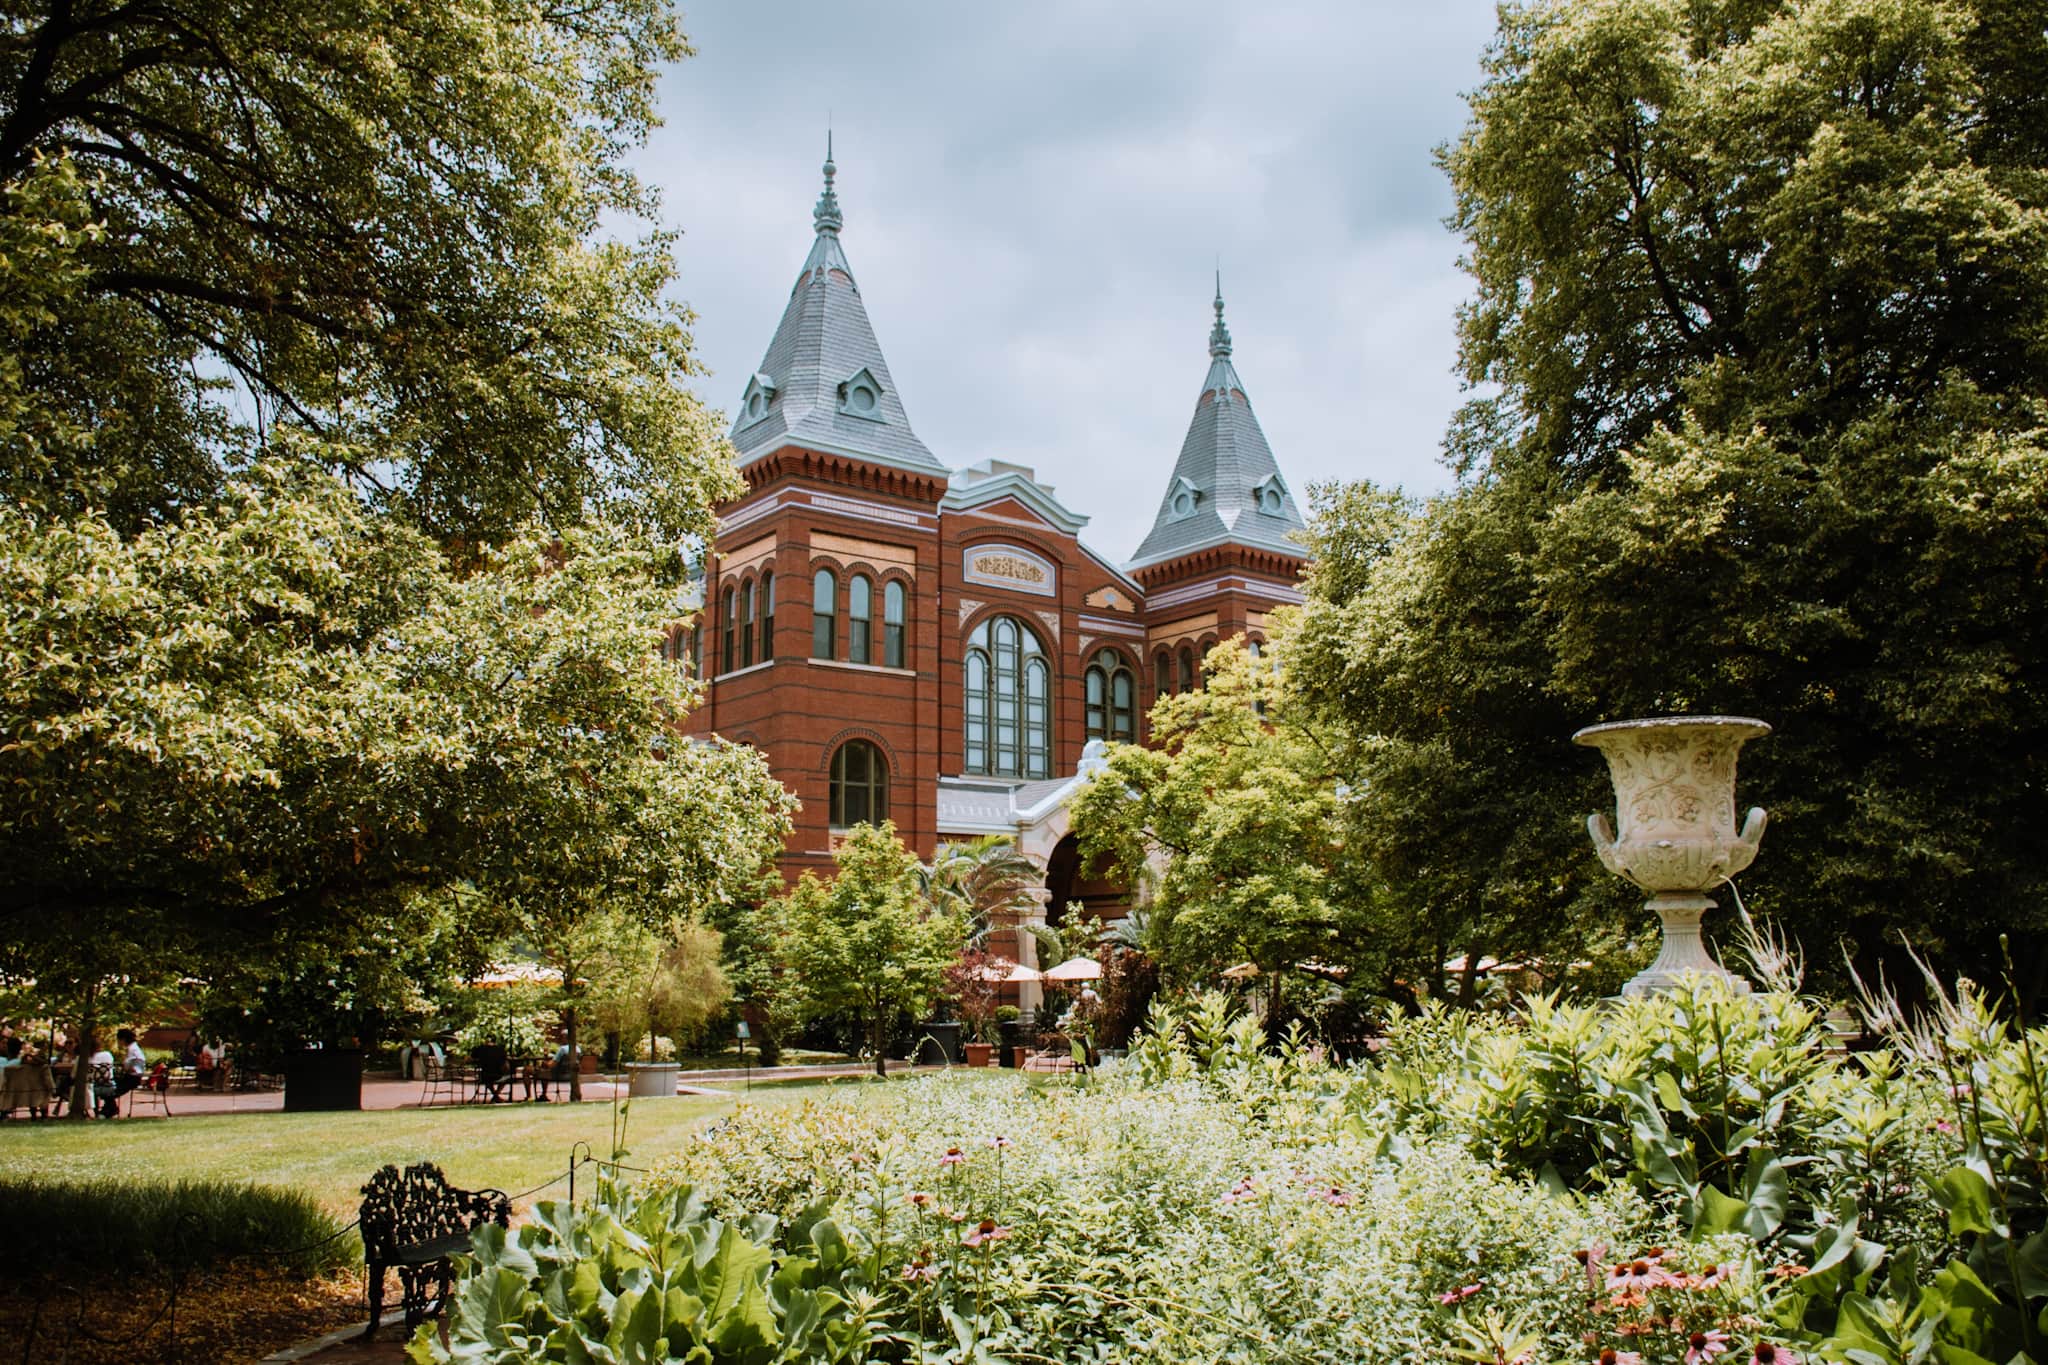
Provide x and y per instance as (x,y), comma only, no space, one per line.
(826,215)
(1219,335)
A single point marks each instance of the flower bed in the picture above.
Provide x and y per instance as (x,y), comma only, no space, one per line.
(1673,1180)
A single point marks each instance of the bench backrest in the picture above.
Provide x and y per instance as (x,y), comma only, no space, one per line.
(405,1208)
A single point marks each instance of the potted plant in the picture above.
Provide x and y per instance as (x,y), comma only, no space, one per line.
(972,983)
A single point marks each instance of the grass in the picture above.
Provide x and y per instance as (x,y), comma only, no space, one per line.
(330,1156)
(117,1226)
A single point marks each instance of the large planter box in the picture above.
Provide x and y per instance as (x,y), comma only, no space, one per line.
(323,1080)
(981,1054)
(938,1044)
(652,1078)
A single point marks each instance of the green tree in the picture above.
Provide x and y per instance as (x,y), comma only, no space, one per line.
(866,940)
(403,230)
(979,880)
(1235,816)
(1760,338)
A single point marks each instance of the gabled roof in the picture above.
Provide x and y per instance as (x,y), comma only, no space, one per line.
(1225,464)
(992,480)
(824,341)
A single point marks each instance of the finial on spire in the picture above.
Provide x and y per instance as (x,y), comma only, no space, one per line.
(826,215)
(1219,335)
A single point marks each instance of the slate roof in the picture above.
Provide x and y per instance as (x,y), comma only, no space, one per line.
(1224,464)
(825,340)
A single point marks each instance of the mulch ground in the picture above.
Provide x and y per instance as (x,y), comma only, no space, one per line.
(226,1316)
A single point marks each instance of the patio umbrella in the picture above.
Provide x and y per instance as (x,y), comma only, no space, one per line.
(1022,973)
(1243,971)
(519,974)
(1076,969)
(995,969)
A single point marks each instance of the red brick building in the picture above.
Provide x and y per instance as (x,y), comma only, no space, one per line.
(938,647)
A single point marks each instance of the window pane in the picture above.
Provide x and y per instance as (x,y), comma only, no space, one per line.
(1187,669)
(859,613)
(1037,719)
(746,624)
(767,617)
(1122,709)
(878,785)
(1008,709)
(976,726)
(824,602)
(1162,675)
(731,625)
(1094,689)
(892,627)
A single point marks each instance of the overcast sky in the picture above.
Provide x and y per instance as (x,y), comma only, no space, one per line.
(1036,196)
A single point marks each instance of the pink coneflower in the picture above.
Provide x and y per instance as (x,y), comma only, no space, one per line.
(1767,1354)
(1610,1356)
(999,1143)
(953,1157)
(1943,1126)
(1716,1275)
(1788,1271)
(1701,1347)
(1461,1293)
(986,1232)
(920,1270)
(1244,1189)
(1336,1198)
(1642,1273)
(919,1198)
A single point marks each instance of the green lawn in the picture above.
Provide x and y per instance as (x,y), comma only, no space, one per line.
(510,1147)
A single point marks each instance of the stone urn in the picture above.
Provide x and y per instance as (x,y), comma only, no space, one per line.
(1674,790)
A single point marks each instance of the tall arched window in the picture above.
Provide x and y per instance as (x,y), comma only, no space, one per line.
(1187,669)
(1008,707)
(1110,692)
(747,624)
(893,605)
(1162,675)
(860,615)
(767,617)
(860,785)
(728,644)
(697,651)
(824,613)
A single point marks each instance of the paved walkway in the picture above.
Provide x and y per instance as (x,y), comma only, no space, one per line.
(385,1091)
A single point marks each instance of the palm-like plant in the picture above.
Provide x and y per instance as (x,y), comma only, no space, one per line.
(979,880)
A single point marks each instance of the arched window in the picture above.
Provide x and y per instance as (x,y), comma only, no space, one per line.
(697,651)
(860,785)
(747,624)
(728,643)
(824,608)
(860,614)
(1110,692)
(1008,706)
(767,617)
(1162,675)
(893,604)
(1187,669)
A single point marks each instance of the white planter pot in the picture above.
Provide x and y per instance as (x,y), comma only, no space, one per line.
(652,1078)
(1674,789)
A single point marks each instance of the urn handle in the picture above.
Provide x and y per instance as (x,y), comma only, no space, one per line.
(1604,843)
(1743,852)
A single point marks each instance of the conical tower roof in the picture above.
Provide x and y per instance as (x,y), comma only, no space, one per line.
(1226,487)
(824,384)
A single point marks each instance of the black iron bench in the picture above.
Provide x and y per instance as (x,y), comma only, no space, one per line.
(413,1222)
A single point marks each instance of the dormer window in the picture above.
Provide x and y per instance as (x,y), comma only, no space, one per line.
(1270,497)
(861,395)
(1184,498)
(759,394)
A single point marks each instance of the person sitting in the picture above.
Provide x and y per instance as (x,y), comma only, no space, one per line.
(206,1067)
(106,1099)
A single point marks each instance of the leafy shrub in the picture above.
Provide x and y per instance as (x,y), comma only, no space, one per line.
(114,1226)
(647,1278)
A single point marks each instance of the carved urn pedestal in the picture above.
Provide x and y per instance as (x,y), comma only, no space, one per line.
(1674,789)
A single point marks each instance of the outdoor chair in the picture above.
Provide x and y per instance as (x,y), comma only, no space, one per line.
(494,1075)
(444,1080)
(155,1089)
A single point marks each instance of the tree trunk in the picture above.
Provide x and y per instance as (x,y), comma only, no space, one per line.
(881,1033)
(82,1098)
(575,1058)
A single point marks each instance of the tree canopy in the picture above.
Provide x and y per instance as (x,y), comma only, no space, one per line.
(1759,350)
(394,228)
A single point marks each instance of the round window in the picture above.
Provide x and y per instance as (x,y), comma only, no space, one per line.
(863,400)
(1183,503)
(1270,500)
(754,405)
